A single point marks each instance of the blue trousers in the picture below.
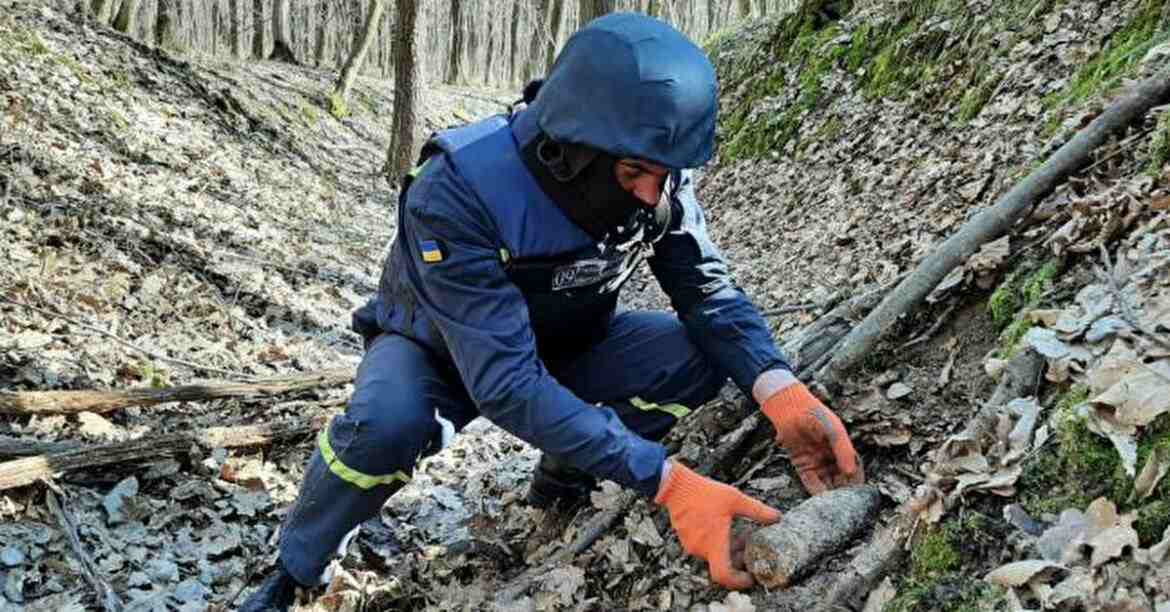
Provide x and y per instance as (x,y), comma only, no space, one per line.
(407,404)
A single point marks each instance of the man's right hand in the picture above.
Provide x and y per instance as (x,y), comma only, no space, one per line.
(701,510)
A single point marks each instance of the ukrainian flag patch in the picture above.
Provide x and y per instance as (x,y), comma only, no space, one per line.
(431,253)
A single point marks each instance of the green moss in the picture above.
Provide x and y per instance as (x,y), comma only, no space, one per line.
(935,554)
(337,106)
(27,41)
(1122,52)
(1084,466)
(935,580)
(1004,303)
(975,98)
(310,114)
(1017,294)
(1160,146)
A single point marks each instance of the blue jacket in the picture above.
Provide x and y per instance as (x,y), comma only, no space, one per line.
(488,272)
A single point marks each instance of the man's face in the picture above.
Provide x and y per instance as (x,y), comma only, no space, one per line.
(645,180)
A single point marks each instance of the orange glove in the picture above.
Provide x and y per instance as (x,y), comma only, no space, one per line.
(701,511)
(815,439)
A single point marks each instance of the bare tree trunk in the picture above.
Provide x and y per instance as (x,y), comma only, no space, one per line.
(400,155)
(282,49)
(322,32)
(745,8)
(455,65)
(164,25)
(102,10)
(259,44)
(492,32)
(538,11)
(588,10)
(127,19)
(237,31)
(555,18)
(358,54)
(513,47)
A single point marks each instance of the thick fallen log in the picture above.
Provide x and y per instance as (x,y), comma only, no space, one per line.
(106,595)
(70,402)
(781,553)
(26,471)
(994,222)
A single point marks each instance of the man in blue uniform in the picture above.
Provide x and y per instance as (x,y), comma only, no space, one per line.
(499,298)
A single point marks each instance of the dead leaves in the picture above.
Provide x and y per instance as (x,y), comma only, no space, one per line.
(992,464)
(1089,559)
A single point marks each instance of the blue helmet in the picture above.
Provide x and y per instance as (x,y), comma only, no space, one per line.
(632,86)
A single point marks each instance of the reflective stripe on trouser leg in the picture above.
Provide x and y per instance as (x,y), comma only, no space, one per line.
(328,509)
(369,452)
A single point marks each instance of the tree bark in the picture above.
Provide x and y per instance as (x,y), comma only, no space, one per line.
(72,402)
(17,447)
(282,46)
(995,222)
(259,25)
(535,64)
(23,472)
(513,46)
(322,35)
(102,10)
(164,25)
(556,16)
(588,10)
(455,60)
(358,55)
(407,80)
(492,32)
(237,31)
(127,20)
(778,554)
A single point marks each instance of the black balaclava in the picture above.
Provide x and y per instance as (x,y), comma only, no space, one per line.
(583,183)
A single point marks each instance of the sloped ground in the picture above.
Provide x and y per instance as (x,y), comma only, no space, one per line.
(237,230)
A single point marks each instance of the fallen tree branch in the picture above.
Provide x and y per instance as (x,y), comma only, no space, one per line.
(106,595)
(884,551)
(887,549)
(994,222)
(26,471)
(69,402)
(17,447)
(779,554)
(130,345)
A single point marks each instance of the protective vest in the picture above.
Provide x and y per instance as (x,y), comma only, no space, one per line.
(569,282)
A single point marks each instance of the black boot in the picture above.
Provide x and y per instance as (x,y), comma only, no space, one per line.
(556,485)
(276,593)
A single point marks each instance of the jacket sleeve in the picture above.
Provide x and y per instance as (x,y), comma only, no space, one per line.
(719,317)
(484,322)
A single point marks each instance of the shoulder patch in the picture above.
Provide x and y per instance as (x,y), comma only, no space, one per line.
(431,251)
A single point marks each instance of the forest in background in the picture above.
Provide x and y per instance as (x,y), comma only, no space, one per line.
(495,43)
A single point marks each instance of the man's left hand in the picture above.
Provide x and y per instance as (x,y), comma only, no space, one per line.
(815,439)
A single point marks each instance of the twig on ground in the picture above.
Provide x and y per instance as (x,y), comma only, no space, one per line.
(789,309)
(109,600)
(1116,288)
(128,344)
(938,323)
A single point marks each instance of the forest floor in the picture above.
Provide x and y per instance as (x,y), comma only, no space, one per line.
(218,222)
